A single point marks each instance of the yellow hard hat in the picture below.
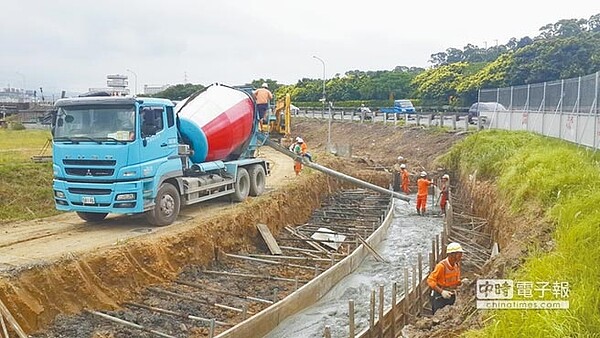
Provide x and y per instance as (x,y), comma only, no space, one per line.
(454,247)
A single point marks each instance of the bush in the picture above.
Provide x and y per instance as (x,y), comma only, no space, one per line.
(17,126)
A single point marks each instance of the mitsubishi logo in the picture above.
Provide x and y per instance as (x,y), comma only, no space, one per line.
(89,173)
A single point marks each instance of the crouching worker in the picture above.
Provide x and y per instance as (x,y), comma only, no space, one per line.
(445,278)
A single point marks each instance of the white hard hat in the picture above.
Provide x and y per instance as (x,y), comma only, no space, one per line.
(265,85)
(403,166)
(454,247)
(400,158)
(446,176)
(423,173)
(299,140)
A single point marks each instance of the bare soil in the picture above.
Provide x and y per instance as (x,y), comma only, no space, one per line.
(56,267)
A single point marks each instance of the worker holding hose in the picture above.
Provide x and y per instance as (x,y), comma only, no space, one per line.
(422,192)
(445,278)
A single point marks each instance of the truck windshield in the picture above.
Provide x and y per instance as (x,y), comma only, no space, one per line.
(95,123)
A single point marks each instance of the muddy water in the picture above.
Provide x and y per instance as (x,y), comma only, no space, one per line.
(408,235)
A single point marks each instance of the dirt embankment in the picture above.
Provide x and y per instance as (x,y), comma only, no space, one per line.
(103,278)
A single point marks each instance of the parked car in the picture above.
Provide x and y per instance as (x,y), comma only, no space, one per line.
(294,110)
(484,109)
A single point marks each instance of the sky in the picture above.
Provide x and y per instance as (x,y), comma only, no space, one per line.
(73,44)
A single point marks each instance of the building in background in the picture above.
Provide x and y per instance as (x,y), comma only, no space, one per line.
(116,85)
(152,89)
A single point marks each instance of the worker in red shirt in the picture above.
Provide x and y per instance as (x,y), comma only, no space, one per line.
(422,191)
(445,278)
(262,96)
(444,191)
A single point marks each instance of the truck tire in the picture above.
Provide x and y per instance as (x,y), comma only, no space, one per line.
(166,206)
(258,179)
(92,217)
(242,186)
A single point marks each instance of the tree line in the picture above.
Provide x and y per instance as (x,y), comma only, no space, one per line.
(567,48)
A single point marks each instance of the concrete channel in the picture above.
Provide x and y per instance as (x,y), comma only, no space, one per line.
(408,234)
(314,305)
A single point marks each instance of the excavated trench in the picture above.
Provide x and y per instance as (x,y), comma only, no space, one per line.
(233,286)
(106,280)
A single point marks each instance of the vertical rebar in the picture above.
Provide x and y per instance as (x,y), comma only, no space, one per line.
(351,318)
(372,310)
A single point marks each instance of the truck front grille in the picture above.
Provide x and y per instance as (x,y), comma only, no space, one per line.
(86,191)
(99,163)
(89,172)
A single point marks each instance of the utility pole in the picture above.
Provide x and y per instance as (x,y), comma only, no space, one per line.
(323,99)
(135,76)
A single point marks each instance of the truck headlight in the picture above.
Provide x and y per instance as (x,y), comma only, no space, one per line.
(129,173)
(126,197)
(59,194)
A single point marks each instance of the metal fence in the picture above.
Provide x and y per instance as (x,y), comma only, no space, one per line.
(565,109)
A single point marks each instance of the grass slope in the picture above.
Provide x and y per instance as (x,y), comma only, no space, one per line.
(25,187)
(564,180)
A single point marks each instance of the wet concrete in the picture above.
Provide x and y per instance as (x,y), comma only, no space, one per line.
(408,235)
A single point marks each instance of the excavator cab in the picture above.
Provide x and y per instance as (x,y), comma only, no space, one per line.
(280,121)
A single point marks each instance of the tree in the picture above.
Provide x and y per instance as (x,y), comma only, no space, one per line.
(179,92)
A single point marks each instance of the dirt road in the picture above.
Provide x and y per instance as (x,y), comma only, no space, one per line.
(44,240)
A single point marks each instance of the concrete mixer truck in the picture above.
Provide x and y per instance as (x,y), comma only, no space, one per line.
(129,155)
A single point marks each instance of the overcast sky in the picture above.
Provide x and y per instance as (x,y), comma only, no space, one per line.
(74,44)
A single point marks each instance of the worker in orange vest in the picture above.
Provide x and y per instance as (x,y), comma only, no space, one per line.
(405,178)
(422,191)
(445,278)
(297,149)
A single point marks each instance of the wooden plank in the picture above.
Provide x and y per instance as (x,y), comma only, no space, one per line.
(4,327)
(269,239)
(11,320)
(371,250)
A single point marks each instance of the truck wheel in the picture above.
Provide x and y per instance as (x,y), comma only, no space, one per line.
(166,206)
(92,216)
(242,186)
(257,180)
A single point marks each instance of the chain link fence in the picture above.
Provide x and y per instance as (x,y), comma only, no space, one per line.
(566,109)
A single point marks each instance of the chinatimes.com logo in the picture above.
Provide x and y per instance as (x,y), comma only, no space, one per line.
(506,294)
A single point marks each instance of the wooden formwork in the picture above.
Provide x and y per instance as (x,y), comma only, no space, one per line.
(268,319)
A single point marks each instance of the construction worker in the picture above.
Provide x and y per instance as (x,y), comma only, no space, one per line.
(298,160)
(262,96)
(444,191)
(422,192)
(405,178)
(445,278)
(397,172)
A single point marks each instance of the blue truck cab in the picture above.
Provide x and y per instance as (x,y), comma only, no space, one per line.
(107,152)
(124,155)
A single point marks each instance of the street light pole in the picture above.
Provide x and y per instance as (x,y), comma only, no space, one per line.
(323,98)
(135,76)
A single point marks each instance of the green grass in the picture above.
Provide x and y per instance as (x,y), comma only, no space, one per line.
(564,180)
(25,187)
